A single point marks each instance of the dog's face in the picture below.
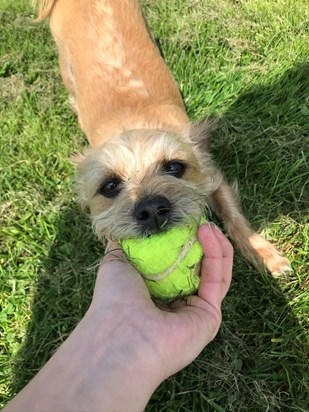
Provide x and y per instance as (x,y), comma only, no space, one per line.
(145,181)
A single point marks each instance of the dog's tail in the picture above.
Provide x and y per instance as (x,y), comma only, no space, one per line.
(44,7)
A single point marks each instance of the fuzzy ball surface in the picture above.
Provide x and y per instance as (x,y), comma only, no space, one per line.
(169,261)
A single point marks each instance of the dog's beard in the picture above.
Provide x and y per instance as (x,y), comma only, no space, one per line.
(140,162)
(118,222)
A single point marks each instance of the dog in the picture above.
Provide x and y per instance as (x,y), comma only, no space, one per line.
(148,167)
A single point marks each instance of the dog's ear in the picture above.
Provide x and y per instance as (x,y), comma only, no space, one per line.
(200,132)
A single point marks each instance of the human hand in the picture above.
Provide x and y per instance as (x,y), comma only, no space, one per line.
(125,346)
(167,338)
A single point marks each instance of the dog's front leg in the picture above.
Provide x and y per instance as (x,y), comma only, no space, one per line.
(254,247)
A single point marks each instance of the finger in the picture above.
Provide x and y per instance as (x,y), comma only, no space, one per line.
(228,252)
(227,256)
(217,260)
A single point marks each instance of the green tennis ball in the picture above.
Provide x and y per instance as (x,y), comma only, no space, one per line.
(169,261)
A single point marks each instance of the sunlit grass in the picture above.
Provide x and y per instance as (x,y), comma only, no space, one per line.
(246,61)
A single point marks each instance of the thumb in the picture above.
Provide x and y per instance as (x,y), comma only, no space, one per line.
(115,268)
(113,252)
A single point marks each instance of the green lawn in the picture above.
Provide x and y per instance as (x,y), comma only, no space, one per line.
(245,60)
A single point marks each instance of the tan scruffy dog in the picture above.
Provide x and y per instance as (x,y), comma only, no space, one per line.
(148,167)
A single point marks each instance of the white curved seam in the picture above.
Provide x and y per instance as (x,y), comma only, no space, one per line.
(181,256)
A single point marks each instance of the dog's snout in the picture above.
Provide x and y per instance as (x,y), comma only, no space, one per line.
(153,212)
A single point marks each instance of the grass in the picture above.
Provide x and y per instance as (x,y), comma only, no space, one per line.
(245,60)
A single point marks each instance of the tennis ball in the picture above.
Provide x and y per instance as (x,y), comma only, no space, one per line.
(169,261)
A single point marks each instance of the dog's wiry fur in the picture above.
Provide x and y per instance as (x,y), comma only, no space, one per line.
(137,157)
(132,113)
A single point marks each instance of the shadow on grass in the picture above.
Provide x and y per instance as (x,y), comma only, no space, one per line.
(258,360)
(63,293)
(262,140)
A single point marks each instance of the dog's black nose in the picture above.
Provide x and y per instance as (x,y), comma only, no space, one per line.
(153,212)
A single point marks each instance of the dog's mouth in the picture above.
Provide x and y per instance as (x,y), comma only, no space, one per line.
(157,214)
(153,214)
(167,225)
(149,215)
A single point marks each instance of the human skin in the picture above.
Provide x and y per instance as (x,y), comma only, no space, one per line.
(125,345)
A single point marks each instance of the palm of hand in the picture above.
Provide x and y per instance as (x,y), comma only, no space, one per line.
(174,335)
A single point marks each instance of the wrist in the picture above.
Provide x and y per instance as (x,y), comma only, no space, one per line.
(127,363)
(103,366)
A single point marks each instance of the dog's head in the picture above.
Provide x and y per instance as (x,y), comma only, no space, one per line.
(145,181)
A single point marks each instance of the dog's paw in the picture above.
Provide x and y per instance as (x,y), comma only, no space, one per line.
(279,265)
(267,253)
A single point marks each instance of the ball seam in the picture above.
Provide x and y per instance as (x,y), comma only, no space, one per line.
(174,266)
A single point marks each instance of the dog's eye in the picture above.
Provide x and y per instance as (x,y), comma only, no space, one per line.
(174,168)
(110,188)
